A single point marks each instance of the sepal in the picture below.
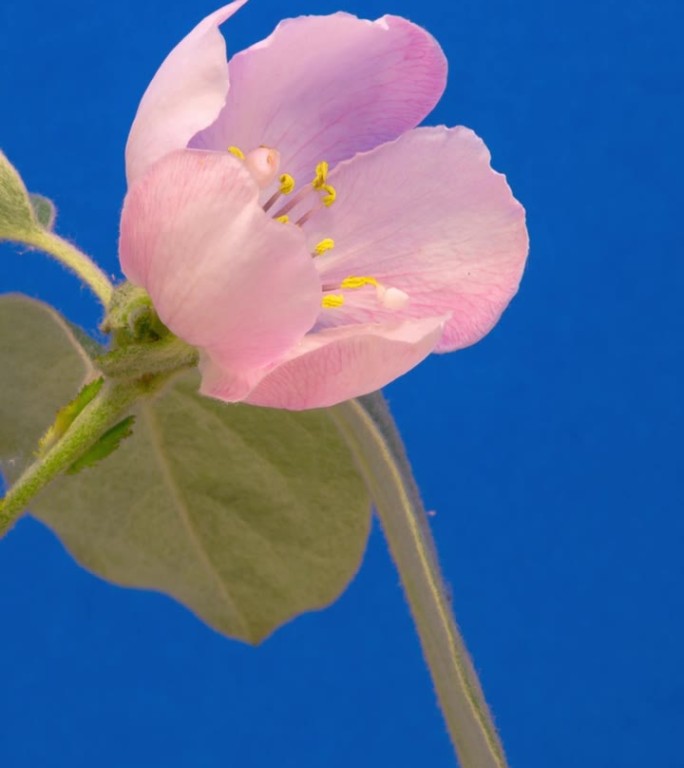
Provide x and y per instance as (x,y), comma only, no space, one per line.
(66,415)
(105,446)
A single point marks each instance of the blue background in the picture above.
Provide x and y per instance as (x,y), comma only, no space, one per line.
(551,452)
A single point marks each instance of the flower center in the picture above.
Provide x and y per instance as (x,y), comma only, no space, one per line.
(264,164)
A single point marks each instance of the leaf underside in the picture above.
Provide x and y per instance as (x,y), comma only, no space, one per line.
(17,215)
(248,516)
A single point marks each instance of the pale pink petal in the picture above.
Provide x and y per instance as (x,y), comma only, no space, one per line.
(326,87)
(337,364)
(185,95)
(427,215)
(222,275)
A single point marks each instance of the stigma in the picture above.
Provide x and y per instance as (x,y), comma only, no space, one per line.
(263,163)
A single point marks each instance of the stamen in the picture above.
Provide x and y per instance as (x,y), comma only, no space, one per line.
(237,152)
(390,298)
(303,219)
(332,301)
(357,282)
(287,184)
(294,200)
(325,245)
(269,203)
(319,184)
(328,199)
(282,219)
(321,175)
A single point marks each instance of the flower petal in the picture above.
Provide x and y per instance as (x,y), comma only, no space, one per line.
(426,214)
(186,94)
(338,364)
(222,275)
(327,87)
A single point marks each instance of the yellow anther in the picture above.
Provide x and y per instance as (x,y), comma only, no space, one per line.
(287,184)
(325,245)
(329,198)
(358,282)
(321,175)
(282,219)
(332,300)
(237,152)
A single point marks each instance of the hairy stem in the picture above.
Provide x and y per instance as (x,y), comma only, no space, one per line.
(74,260)
(135,360)
(370,432)
(98,416)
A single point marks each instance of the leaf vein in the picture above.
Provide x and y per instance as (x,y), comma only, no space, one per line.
(185,517)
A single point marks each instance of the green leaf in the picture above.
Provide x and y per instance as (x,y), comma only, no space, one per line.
(44,210)
(43,367)
(17,217)
(248,516)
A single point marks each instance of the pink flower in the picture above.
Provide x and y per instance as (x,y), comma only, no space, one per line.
(288,218)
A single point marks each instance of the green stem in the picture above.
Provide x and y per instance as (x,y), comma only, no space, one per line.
(74,260)
(164,356)
(372,436)
(100,414)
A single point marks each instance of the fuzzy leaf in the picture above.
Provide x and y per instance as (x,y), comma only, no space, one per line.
(44,210)
(17,217)
(43,367)
(248,516)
